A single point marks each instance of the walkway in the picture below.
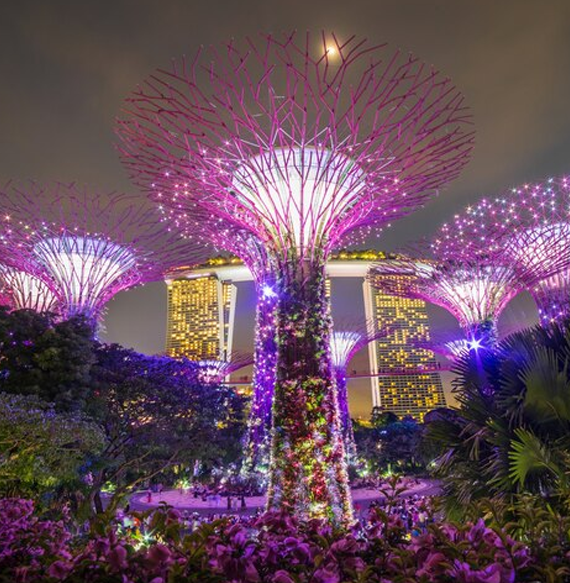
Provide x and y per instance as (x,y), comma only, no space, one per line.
(184,500)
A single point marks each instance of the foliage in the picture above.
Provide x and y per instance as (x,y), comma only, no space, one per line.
(40,356)
(512,431)
(147,413)
(42,451)
(29,546)
(389,443)
(155,414)
(544,529)
(273,548)
(308,464)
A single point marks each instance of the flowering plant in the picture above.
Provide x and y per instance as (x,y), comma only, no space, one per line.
(274,548)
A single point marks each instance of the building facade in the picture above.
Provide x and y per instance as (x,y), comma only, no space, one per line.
(400,385)
(202,308)
(200,316)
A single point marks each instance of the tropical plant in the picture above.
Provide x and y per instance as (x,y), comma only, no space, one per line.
(44,454)
(511,432)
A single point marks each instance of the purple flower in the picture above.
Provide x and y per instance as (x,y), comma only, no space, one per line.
(159,555)
(59,570)
(282,577)
(117,558)
(326,575)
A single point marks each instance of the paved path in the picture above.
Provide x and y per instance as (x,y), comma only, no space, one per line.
(185,500)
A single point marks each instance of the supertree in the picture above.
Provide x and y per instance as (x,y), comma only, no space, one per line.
(474,289)
(215,371)
(450,344)
(86,247)
(529,226)
(298,145)
(344,346)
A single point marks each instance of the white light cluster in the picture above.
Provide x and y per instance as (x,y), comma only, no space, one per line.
(543,248)
(84,268)
(298,193)
(474,295)
(212,371)
(342,344)
(27,291)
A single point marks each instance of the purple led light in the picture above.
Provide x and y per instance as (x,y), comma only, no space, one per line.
(85,247)
(528,229)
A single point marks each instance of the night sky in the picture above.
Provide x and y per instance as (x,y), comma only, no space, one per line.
(66,66)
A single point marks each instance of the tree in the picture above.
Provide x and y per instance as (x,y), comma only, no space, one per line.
(390,442)
(46,358)
(380,418)
(42,451)
(155,414)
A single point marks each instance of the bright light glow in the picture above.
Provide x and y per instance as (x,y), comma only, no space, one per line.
(473,295)
(212,371)
(457,347)
(299,193)
(27,291)
(474,344)
(342,344)
(84,268)
(268,292)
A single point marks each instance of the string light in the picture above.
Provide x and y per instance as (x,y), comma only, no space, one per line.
(76,249)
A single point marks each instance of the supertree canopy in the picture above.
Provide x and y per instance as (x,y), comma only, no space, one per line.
(85,247)
(450,344)
(299,148)
(474,289)
(21,289)
(529,226)
(344,346)
(215,371)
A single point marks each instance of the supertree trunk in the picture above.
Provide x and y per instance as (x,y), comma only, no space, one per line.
(308,467)
(344,413)
(265,357)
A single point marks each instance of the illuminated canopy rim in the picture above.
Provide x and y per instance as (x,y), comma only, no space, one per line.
(474,291)
(23,290)
(87,245)
(193,134)
(299,190)
(85,268)
(342,347)
(528,226)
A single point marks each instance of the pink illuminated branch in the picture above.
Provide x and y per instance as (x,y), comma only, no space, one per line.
(23,290)
(87,247)
(529,228)
(215,371)
(349,338)
(279,139)
(475,291)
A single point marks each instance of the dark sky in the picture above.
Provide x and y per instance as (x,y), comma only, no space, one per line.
(66,66)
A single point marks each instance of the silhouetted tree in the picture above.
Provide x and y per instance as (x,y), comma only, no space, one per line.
(40,356)
(156,414)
